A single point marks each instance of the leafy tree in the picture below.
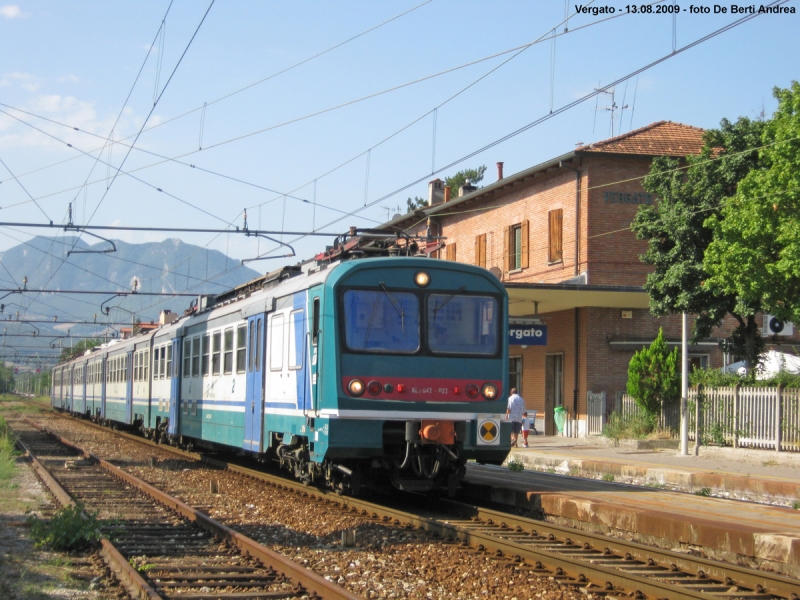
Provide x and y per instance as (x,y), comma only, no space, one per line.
(653,378)
(79,348)
(460,178)
(415,204)
(755,254)
(678,234)
(454,182)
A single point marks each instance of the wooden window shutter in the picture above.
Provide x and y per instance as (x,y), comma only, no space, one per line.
(507,249)
(556,249)
(524,259)
(480,250)
(451,251)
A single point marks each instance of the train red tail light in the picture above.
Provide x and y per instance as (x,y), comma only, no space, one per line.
(374,387)
(472,390)
(401,387)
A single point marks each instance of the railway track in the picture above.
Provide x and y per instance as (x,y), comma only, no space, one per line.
(596,564)
(157,546)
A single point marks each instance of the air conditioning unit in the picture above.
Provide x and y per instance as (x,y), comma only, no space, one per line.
(774,326)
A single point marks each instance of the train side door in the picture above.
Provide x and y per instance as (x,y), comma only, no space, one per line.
(103,386)
(129,387)
(254,396)
(85,372)
(173,373)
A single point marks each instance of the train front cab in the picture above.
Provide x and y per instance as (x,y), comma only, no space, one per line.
(384,396)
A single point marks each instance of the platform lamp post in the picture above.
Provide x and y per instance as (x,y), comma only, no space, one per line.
(684,387)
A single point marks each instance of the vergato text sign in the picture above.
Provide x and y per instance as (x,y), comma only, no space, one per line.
(527,335)
(627,198)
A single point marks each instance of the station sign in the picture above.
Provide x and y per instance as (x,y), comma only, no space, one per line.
(527,334)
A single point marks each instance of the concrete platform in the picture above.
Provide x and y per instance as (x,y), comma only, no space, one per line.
(759,535)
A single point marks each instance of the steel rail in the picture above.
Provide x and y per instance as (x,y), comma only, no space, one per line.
(133,582)
(491,530)
(316,585)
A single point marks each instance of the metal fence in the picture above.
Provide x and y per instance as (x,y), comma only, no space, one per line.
(595,412)
(753,417)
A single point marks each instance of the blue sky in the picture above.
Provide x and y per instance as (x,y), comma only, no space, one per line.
(75,62)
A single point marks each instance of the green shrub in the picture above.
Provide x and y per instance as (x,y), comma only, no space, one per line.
(7,452)
(703,492)
(636,426)
(653,378)
(68,529)
(516,465)
(608,477)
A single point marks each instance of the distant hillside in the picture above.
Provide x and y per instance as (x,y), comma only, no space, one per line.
(168,266)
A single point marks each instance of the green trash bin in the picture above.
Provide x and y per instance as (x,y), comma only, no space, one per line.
(560,417)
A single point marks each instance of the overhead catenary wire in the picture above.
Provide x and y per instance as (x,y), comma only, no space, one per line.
(516,49)
(569,105)
(136,178)
(285,70)
(24,189)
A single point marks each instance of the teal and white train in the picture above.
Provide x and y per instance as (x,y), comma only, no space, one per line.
(362,369)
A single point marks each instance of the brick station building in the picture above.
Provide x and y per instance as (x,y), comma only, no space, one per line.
(557,234)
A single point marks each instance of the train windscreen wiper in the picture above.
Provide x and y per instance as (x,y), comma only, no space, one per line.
(439,307)
(399,309)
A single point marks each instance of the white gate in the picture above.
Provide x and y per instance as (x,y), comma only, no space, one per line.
(595,412)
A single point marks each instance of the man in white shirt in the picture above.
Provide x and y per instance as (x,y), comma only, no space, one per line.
(514,412)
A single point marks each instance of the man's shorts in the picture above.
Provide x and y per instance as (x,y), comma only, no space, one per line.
(516,426)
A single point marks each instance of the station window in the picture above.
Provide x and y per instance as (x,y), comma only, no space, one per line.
(556,250)
(515,246)
(480,250)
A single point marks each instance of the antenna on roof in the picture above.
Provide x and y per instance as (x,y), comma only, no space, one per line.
(613,108)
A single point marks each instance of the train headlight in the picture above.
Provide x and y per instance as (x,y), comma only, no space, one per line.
(489,391)
(356,387)
(472,390)
(422,279)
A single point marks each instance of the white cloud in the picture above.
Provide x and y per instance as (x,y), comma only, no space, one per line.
(11,11)
(24,80)
(69,78)
(69,110)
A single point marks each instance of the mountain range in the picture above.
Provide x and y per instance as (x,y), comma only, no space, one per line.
(169,266)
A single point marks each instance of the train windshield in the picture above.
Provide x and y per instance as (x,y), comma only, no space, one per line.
(381,321)
(460,324)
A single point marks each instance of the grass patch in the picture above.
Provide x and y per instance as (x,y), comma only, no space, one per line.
(770,463)
(796,505)
(17,405)
(8,453)
(608,477)
(636,426)
(67,530)
(516,465)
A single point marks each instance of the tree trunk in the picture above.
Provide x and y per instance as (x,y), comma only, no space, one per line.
(750,346)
